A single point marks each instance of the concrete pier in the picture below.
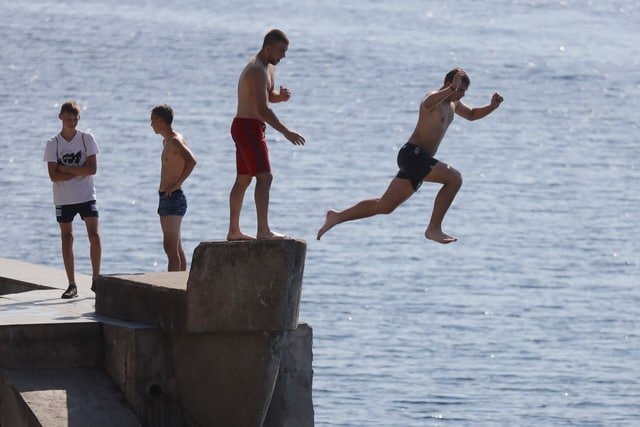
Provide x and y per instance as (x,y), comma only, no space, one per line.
(231,287)
(207,347)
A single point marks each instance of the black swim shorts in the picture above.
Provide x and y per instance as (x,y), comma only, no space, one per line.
(66,213)
(414,164)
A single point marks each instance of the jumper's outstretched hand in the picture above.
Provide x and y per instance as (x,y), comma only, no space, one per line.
(496,100)
(456,84)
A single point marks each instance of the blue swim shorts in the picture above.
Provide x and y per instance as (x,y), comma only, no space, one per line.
(176,204)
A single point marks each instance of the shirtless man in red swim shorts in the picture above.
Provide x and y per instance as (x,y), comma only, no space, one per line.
(255,92)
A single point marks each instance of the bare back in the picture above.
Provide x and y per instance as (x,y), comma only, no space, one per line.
(173,162)
(432,126)
(255,77)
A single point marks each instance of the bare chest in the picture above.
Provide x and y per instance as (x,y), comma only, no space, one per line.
(270,78)
(444,115)
(166,155)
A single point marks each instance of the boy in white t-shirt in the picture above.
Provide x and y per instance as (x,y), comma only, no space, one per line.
(71,160)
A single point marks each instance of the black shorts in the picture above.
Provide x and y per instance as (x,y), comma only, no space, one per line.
(66,213)
(414,164)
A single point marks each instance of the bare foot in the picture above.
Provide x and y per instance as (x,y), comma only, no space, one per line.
(239,235)
(329,222)
(439,236)
(271,235)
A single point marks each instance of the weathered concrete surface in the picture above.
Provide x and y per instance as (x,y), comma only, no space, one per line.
(13,287)
(232,286)
(292,403)
(51,346)
(168,376)
(18,276)
(153,298)
(226,379)
(14,411)
(140,361)
(45,306)
(62,397)
(38,329)
(245,286)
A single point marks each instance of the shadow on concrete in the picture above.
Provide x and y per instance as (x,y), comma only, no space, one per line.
(66,397)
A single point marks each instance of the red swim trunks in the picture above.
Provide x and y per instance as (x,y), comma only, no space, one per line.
(252,154)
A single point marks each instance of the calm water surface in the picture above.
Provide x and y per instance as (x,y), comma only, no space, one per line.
(530,319)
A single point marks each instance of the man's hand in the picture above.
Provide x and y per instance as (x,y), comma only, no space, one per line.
(294,138)
(496,100)
(456,84)
(284,94)
(64,169)
(70,169)
(171,189)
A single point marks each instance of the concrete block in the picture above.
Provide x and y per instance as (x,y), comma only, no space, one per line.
(14,411)
(10,286)
(20,276)
(292,403)
(245,286)
(226,379)
(61,398)
(209,355)
(154,298)
(140,361)
(63,345)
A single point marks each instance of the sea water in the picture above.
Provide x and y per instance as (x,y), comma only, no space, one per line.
(531,318)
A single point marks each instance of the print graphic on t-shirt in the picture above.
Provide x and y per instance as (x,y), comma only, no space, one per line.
(71,159)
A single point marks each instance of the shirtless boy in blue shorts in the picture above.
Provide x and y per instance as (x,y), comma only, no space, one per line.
(416,161)
(177,163)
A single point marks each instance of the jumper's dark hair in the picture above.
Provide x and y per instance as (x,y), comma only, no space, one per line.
(449,77)
(70,107)
(275,36)
(163,111)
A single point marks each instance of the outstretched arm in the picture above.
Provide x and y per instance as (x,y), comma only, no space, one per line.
(478,112)
(260,88)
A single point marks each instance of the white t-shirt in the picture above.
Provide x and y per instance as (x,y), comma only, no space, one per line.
(72,153)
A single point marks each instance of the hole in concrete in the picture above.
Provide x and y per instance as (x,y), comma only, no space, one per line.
(155,390)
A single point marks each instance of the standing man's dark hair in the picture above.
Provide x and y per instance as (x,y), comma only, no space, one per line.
(275,36)
(163,111)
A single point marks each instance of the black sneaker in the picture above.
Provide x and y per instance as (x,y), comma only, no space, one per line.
(71,292)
